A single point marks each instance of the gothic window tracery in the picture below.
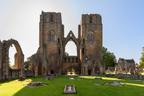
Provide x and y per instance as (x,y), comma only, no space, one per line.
(90,37)
(51,18)
(90,19)
(51,36)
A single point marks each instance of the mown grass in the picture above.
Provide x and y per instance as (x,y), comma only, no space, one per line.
(85,86)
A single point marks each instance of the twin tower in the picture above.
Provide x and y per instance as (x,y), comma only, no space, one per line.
(51,57)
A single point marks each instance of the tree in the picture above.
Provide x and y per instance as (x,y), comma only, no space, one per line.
(66,54)
(142,59)
(29,63)
(109,59)
(26,65)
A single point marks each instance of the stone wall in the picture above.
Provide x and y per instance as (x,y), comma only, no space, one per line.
(125,66)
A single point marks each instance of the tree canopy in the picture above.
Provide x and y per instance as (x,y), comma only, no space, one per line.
(109,59)
(142,59)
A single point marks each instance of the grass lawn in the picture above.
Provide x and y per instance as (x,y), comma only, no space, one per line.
(85,86)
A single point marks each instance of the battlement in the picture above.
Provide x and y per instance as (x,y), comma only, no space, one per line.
(91,19)
(50,17)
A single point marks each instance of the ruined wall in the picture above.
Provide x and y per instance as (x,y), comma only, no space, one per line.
(6,72)
(125,66)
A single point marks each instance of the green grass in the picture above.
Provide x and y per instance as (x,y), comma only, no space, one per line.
(85,86)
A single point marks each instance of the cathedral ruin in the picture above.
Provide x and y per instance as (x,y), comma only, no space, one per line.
(51,58)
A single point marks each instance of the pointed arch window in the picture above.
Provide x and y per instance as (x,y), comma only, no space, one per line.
(90,37)
(90,19)
(51,18)
(51,36)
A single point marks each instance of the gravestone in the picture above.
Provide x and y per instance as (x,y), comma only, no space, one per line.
(69,89)
(114,83)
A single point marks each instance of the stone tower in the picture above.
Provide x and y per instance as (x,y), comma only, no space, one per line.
(51,35)
(90,34)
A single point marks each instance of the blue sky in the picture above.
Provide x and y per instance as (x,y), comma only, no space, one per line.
(123,22)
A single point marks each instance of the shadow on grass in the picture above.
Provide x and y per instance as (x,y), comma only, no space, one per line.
(6,81)
(85,87)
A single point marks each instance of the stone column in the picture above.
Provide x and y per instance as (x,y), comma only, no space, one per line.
(21,65)
(36,71)
(6,74)
(82,70)
(86,70)
(93,71)
(16,59)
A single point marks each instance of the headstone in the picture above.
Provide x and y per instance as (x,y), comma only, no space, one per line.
(69,89)
(114,83)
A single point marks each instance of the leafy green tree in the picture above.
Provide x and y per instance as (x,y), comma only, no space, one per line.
(29,62)
(142,59)
(26,65)
(109,59)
